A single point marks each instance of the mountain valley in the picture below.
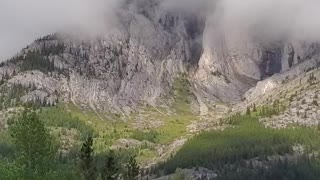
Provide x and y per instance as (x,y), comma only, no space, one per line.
(187,96)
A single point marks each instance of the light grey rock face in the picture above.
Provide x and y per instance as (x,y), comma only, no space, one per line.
(234,60)
(304,110)
(277,80)
(137,61)
(199,173)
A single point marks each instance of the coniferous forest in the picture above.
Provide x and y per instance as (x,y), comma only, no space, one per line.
(244,150)
(248,150)
(31,152)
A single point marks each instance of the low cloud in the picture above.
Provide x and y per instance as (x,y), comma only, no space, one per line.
(22,21)
(297,19)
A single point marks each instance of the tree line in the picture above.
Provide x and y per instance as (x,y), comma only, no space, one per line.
(244,140)
(37,156)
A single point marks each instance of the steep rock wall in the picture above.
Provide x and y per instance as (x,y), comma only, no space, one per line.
(137,61)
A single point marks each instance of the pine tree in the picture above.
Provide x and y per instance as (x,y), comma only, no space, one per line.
(132,169)
(254,107)
(248,112)
(6,76)
(35,145)
(14,73)
(87,164)
(110,170)
(1,81)
(51,66)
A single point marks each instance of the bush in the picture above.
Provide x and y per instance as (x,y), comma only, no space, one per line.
(178,175)
(151,135)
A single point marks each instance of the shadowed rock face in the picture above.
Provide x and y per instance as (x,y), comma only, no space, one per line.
(138,60)
(271,62)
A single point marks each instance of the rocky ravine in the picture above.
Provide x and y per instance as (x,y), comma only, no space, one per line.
(137,62)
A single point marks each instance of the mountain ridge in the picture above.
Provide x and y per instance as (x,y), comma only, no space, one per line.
(138,61)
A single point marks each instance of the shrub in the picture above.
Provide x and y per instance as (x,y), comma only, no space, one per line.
(150,135)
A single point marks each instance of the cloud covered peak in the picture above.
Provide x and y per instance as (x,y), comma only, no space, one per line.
(23,21)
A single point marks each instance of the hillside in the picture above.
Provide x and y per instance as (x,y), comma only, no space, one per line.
(161,84)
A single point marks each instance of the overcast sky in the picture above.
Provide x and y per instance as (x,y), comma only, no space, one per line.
(22,21)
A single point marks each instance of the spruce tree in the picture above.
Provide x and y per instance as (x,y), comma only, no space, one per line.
(254,107)
(35,146)
(248,112)
(87,164)
(110,170)
(6,76)
(132,169)
(14,73)
(1,81)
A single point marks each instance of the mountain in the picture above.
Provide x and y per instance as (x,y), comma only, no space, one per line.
(138,61)
(159,76)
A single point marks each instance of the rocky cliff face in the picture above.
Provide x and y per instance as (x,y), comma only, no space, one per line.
(138,60)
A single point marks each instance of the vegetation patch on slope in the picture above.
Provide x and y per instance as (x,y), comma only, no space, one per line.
(247,140)
(57,117)
(182,93)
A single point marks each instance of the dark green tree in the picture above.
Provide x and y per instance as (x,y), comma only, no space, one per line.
(14,73)
(110,171)
(248,112)
(87,164)
(36,148)
(132,169)
(6,76)
(254,108)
